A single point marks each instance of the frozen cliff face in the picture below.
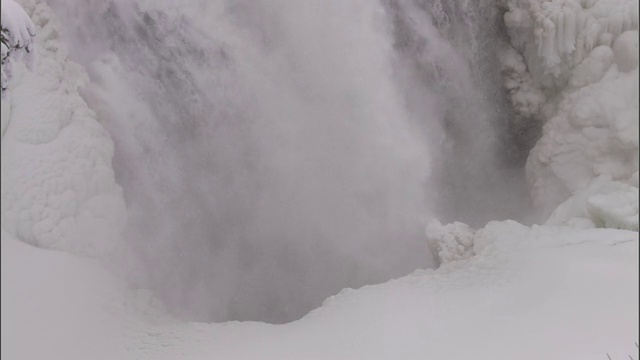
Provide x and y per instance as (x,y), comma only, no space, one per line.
(574,66)
(58,187)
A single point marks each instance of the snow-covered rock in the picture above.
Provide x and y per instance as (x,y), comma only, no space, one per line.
(449,242)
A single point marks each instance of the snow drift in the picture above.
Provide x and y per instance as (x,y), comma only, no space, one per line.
(540,293)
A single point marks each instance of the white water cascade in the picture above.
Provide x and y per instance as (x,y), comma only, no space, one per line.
(273,152)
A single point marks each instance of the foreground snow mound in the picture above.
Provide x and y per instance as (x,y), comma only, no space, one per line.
(54,305)
(603,203)
(528,293)
(58,186)
(574,66)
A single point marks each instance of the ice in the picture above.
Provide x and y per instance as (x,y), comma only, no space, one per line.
(603,203)
(588,76)
(625,48)
(58,188)
(450,242)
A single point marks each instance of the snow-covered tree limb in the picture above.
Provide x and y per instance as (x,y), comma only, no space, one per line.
(16,36)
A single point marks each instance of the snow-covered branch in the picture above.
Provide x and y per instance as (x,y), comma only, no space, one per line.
(16,35)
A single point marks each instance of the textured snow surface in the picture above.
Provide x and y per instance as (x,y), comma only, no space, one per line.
(58,187)
(449,242)
(574,66)
(603,203)
(528,293)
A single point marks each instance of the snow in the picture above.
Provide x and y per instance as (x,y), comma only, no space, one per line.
(528,293)
(58,186)
(603,203)
(52,303)
(17,24)
(19,31)
(567,289)
(449,242)
(582,58)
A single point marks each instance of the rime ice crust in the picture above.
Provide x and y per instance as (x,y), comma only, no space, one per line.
(58,186)
(450,242)
(582,56)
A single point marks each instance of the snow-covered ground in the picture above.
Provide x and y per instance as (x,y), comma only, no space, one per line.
(542,293)
(564,290)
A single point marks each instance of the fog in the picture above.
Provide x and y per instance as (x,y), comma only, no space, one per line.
(273,152)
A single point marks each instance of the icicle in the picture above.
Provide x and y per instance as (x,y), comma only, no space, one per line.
(538,34)
(570,31)
(626,21)
(634,17)
(605,39)
(549,40)
(581,20)
(591,36)
(579,49)
(616,23)
(559,21)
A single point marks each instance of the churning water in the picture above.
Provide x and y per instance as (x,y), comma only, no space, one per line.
(273,152)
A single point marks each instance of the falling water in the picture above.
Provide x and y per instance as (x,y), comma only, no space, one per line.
(273,152)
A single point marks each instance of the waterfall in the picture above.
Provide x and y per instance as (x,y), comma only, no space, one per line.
(273,152)
(451,47)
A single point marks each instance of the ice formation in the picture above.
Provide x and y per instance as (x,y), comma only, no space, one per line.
(58,186)
(450,242)
(576,66)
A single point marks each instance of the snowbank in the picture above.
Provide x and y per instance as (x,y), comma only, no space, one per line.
(55,305)
(528,293)
(58,186)
(574,66)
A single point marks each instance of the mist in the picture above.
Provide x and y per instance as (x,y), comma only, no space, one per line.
(274,152)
